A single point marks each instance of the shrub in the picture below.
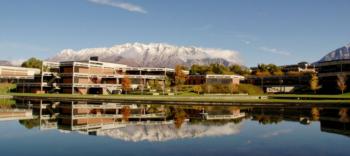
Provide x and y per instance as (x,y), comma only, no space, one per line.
(250,89)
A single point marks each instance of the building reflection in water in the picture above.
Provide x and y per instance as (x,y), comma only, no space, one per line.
(332,119)
(141,122)
(136,122)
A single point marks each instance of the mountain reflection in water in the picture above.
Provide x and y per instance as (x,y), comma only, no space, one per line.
(159,123)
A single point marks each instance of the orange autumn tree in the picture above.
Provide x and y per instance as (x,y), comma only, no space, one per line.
(126,83)
(180,117)
(180,77)
(125,111)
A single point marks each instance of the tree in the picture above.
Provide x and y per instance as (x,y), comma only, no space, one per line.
(314,86)
(271,68)
(238,69)
(199,69)
(262,67)
(32,63)
(126,83)
(198,89)
(180,77)
(278,72)
(30,124)
(261,75)
(344,117)
(219,69)
(315,113)
(234,88)
(179,117)
(341,82)
(125,111)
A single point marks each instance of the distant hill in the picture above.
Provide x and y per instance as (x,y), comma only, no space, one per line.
(152,55)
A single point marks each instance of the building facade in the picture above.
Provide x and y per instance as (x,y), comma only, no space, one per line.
(212,79)
(328,72)
(92,77)
(8,72)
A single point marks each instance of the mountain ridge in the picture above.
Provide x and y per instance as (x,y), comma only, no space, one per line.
(152,55)
(341,53)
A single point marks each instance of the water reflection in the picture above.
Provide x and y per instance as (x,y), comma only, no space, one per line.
(154,123)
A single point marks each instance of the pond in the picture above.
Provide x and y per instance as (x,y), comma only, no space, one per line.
(41,127)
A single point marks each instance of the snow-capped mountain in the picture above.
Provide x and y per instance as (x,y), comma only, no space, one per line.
(152,55)
(167,132)
(5,63)
(338,54)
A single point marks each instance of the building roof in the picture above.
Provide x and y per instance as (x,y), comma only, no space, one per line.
(222,76)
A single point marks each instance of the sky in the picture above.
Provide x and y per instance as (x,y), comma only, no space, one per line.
(262,31)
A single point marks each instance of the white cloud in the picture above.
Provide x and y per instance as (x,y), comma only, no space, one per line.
(246,42)
(275,51)
(277,133)
(122,5)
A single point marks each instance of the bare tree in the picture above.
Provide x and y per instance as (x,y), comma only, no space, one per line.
(341,82)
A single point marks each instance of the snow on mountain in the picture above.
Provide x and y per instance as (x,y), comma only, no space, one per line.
(5,63)
(167,132)
(11,62)
(152,55)
(338,54)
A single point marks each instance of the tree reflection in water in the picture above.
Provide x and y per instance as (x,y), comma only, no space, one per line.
(343,113)
(125,113)
(179,117)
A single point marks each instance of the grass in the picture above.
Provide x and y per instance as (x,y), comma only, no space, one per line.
(311,96)
(250,89)
(6,87)
(189,98)
(6,103)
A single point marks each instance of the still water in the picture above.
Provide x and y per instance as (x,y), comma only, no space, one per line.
(37,127)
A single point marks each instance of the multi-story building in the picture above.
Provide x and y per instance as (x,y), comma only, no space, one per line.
(92,76)
(293,78)
(300,67)
(213,79)
(328,72)
(8,72)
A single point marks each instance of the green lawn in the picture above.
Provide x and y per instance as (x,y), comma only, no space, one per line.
(6,87)
(312,96)
(192,98)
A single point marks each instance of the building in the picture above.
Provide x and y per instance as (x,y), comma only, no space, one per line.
(212,79)
(9,72)
(92,77)
(94,118)
(286,83)
(293,78)
(303,67)
(15,114)
(328,72)
(96,77)
(300,67)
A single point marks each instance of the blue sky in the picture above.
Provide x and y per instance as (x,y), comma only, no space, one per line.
(263,31)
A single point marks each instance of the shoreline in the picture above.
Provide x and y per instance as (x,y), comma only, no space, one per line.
(238,100)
